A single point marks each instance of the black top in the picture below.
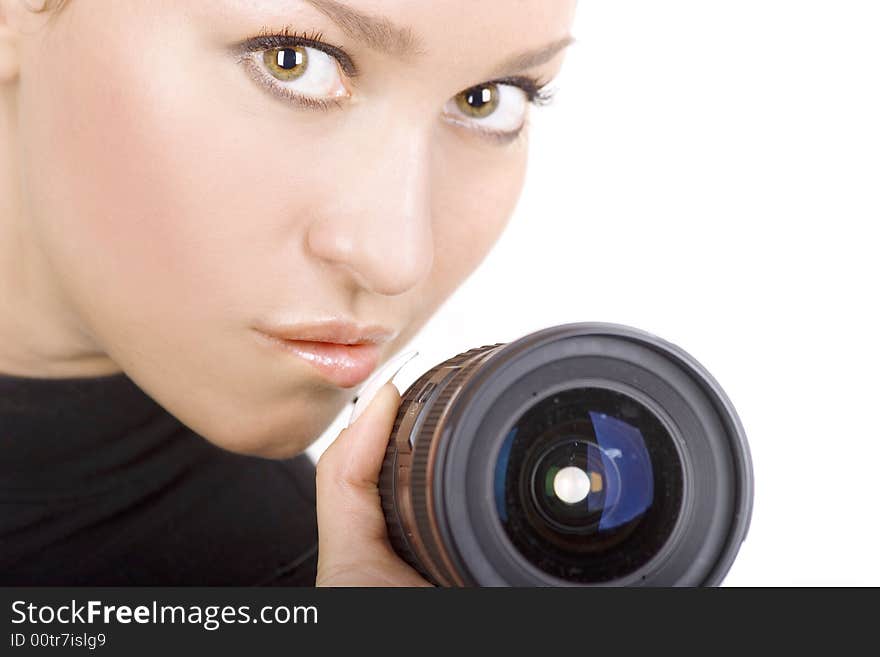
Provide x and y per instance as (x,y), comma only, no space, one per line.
(99,485)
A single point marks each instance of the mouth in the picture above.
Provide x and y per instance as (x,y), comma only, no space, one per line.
(343,353)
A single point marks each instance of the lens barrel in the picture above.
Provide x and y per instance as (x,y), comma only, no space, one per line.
(584,454)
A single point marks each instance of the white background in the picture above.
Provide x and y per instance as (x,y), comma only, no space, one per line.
(710,172)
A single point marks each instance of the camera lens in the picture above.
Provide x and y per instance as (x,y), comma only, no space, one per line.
(582,454)
(575,485)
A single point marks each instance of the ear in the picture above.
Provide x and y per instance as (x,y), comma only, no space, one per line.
(14,15)
(8,39)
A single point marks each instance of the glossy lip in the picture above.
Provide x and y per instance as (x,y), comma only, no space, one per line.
(337,331)
(344,353)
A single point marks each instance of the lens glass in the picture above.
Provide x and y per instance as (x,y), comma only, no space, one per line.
(588,485)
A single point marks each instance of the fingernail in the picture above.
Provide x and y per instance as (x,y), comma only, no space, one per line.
(379,379)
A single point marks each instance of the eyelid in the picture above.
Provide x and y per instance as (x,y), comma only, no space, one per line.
(268,41)
(257,72)
(536,90)
(496,135)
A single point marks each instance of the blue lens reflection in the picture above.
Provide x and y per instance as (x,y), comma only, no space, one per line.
(500,472)
(621,443)
(625,444)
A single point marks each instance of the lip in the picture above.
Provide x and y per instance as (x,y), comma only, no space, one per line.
(344,353)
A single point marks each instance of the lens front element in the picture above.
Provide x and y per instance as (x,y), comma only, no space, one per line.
(588,484)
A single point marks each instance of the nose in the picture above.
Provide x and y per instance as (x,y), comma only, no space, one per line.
(376,223)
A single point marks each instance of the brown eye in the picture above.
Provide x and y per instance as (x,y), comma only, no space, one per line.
(286,63)
(478,102)
(307,76)
(490,108)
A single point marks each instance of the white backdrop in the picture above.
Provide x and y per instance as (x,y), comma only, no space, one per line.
(710,172)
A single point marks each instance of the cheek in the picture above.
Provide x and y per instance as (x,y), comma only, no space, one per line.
(148,193)
(139,200)
(477,189)
(103,177)
(154,188)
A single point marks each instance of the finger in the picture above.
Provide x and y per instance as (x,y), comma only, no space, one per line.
(348,504)
(357,453)
(387,373)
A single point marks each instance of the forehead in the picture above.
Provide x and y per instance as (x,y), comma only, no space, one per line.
(452,32)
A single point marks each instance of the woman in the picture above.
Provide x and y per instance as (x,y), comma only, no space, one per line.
(217,218)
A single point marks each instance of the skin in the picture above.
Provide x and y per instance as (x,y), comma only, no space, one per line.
(156,202)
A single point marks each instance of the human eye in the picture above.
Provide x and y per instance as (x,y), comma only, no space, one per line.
(497,109)
(298,68)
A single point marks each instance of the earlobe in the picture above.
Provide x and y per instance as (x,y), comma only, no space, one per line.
(8,51)
(12,14)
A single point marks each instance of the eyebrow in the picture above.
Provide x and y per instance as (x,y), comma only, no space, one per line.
(382,35)
(377,32)
(534,57)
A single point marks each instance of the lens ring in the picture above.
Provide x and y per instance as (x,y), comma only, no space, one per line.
(437,491)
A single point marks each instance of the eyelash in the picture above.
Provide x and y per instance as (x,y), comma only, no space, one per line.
(536,90)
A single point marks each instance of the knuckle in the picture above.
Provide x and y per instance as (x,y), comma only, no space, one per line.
(331,465)
(324,465)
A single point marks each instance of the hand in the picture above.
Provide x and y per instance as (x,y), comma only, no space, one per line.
(353,547)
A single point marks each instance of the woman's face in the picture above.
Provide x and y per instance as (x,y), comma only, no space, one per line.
(183,196)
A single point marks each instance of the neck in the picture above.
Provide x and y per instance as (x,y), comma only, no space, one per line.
(40,335)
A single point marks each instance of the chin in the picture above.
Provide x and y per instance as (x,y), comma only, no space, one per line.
(282,451)
(272,448)
(272,435)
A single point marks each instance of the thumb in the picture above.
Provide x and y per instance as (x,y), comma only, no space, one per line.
(357,453)
(347,477)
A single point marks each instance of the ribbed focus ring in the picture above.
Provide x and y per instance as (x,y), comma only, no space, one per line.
(388,478)
(467,361)
(398,536)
